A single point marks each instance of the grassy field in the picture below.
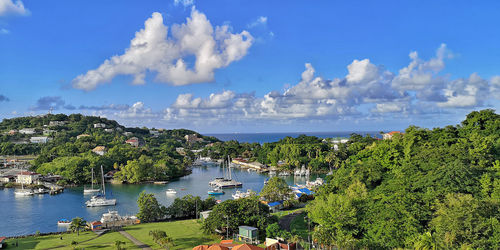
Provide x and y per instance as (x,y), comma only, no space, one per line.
(186,234)
(287,212)
(298,226)
(86,240)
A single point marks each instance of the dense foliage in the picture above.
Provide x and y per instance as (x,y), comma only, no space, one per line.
(276,189)
(189,207)
(156,157)
(149,208)
(425,189)
(231,214)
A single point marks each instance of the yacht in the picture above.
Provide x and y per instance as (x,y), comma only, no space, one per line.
(101,200)
(226,181)
(91,190)
(110,216)
(170,191)
(240,194)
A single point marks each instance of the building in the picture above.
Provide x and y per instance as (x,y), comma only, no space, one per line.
(48,131)
(192,138)
(388,136)
(7,178)
(95,225)
(39,139)
(204,215)
(100,150)
(154,132)
(248,234)
(99,125)
(275,206)
(109,130)
(82,135)
(12,132)
(27,131)
(134,141)
(180,150)
(247,247)
(56,123)
(126,133)
(2,242)
(27,177)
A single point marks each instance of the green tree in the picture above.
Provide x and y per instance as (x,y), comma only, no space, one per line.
(276,189)
(149,208)
(77,224)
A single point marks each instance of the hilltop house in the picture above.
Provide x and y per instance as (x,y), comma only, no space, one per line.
(388,136)
(27,131)
(109,130)
(27,177)
(56,123)
(134,141)
(39,139)
(82,135)
(100,150)
(99,125)
(192,138)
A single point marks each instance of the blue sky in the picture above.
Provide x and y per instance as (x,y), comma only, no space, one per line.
(251,66)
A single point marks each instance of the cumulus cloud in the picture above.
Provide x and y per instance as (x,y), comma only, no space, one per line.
(154,50)
(4,98)
(185,3)
(367,90)
(12,7)
(137,111)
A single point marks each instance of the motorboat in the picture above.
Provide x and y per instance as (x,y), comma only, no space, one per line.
(63,222)
(170,191)
(40,191)
(216,191)
(239,194)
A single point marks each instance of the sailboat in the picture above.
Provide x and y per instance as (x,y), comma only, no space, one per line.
(229,182)
(23,192)
(101,200)
(91,189)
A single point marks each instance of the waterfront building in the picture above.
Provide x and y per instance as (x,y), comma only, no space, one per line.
(27,177)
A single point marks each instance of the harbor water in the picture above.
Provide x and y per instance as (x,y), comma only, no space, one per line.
(26,215)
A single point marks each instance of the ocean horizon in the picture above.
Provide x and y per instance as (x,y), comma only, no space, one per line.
(276,136)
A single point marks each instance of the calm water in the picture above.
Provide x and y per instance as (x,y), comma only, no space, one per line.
(26,215)
(272,137)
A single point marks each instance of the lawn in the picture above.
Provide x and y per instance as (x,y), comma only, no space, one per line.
(298,226)
(86,240)
(186,234)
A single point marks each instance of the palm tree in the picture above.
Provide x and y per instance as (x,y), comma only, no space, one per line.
(77,224)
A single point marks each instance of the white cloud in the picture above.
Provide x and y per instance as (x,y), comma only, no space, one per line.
(11,7)
(470,92)
(261,20)
(137,111)
(153,50)
(4,31)
(185,3)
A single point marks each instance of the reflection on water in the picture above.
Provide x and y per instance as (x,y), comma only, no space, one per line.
(26,215)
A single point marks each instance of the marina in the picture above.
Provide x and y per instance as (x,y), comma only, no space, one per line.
(27,214)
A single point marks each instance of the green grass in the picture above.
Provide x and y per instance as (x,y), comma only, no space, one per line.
(86,240)
(298,226)
(186,234)
(287,212)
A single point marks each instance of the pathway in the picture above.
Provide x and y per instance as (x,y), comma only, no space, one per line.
(286,220)
(134,240)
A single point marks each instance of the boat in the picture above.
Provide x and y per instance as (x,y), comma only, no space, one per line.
(40,191)
(284,173)
(216,191)
(91,190)
(23,192)
(63,222)
(239,194)
(226,181)
(110,216)
(101,200)
(170,191)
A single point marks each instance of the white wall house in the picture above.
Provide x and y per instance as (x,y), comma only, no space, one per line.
(99,125)
(27,131)
(39,139)
(27,177)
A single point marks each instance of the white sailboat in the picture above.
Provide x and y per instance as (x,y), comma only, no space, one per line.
(101,200)
(227,181)
(23,192)
(91,190)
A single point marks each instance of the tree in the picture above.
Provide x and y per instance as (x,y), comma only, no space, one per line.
(161,238)
(118,244)
(273,230)
(77,224)
(276,189)
(149,208)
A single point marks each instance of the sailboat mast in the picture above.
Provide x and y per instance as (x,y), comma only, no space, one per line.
(92,179)
(229,167)
(103,186)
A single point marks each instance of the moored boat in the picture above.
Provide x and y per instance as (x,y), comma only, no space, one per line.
(63,222)
(216,191)
(101,200)
(170,191)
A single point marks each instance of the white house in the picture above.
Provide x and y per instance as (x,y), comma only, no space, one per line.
(56,123)
(99,125)
(27,177)
(100,150)
(109,130)
(39,139)
(27,131)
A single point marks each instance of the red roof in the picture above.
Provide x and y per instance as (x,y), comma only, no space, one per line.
(217,247)
(95,223)
(2,238)
(27,173)
(247,247)
(201,247)
(394,132)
